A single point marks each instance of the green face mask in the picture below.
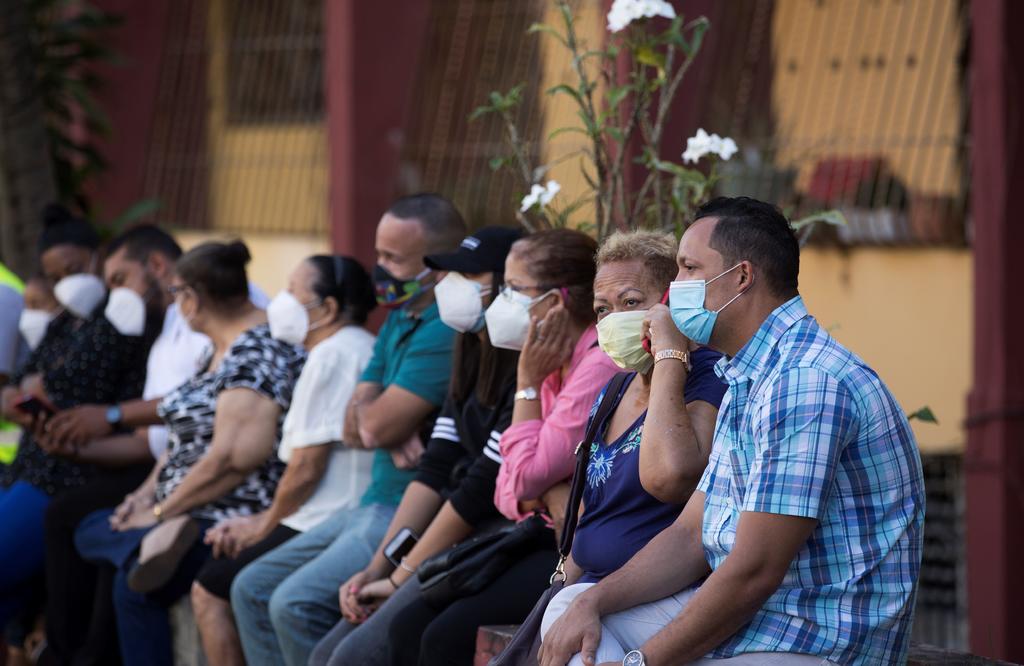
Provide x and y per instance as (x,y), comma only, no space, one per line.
(620,335)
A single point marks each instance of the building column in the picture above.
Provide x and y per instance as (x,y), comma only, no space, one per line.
(994,461)
(371,55)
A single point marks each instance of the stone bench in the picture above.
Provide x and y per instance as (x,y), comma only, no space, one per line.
(490,641)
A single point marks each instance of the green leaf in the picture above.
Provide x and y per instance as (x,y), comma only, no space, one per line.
(616,94)
(549,29)
(496,163)
(925,415)
(698,28)
(567,130)
(135,212)
(832,216)
(647,56)
(480,112)
(566,90)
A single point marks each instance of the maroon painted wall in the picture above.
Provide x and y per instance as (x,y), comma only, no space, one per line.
(994,461)
(128,97)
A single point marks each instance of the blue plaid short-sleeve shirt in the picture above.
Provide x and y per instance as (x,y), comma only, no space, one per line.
(807,429)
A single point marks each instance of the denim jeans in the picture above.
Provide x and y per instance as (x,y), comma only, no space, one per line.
(143,623)
(22,506)
(287,600)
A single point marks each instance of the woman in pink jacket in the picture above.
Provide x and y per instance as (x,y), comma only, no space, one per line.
(561,370)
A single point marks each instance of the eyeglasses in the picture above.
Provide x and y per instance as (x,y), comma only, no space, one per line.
(506,287)
(176,289)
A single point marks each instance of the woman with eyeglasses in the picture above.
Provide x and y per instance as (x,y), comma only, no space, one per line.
(544,310)
(224,425)
(324,309)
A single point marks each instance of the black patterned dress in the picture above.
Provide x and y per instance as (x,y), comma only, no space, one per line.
(255,361)
(81,362)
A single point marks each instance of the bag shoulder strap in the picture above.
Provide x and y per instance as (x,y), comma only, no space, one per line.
(579,477)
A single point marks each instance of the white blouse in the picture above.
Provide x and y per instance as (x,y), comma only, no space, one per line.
(316,417)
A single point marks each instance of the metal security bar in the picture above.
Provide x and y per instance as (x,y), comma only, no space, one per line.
(238,140)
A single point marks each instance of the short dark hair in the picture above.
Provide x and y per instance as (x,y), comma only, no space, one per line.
(216,271)
(443,225)
(563,259)
(141,241)
(62,227)
(758,232)
(346,281)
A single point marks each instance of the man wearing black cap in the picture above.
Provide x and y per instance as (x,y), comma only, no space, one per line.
(452,495)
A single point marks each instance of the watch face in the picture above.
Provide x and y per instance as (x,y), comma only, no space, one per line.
(633,658)
(113,414)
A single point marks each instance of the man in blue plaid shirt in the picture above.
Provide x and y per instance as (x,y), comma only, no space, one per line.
(802,542)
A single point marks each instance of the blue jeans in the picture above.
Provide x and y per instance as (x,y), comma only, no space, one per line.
(22,509)
(287,600)
(143,624)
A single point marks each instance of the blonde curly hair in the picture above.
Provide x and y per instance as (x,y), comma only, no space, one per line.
(656,251)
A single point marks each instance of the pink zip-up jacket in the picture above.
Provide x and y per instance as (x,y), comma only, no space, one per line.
(537,454)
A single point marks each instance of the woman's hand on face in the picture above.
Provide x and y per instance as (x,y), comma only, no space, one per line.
(547,348)
(663,333)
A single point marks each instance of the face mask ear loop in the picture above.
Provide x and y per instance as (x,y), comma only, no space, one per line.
(723,273)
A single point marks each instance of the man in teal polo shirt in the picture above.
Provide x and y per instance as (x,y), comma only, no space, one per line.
(287,600)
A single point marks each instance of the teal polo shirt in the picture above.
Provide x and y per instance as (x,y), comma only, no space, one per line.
(414,352)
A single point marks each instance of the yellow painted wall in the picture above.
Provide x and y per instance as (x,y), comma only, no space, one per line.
(913,119)
(560,110)
(274,256)
(262,176)
(908,313)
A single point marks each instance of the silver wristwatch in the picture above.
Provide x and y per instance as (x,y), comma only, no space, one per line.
(528,393)
(634,658)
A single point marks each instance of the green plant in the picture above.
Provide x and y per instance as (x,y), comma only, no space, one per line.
(623,92)
(68,40)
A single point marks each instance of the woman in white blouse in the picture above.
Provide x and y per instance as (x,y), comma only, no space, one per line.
(324,309)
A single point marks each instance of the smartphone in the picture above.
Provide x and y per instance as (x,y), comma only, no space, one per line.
(33,406)
(400,545)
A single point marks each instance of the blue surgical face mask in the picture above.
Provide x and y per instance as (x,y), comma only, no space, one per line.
(686,303)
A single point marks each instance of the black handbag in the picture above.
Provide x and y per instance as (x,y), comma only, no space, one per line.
(522,650)
(468,567)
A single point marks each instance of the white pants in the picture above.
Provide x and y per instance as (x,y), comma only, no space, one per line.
(629,629)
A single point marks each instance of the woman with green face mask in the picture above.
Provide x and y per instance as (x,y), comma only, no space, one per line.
(650,452)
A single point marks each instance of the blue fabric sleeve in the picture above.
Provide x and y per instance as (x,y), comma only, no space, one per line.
(702,383)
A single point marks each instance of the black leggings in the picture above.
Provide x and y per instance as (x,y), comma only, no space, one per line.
(449,636)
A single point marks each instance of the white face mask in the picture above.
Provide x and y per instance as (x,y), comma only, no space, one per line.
(460,302)
(126,311)
(289,319)
(508,318)
(80,293)
(33,325)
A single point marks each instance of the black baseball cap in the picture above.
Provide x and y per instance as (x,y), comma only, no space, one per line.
(482,252)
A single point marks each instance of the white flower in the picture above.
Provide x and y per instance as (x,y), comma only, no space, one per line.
(702,143)
(540,194)
(624,12)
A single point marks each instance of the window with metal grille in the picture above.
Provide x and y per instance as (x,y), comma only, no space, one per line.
(274,61)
